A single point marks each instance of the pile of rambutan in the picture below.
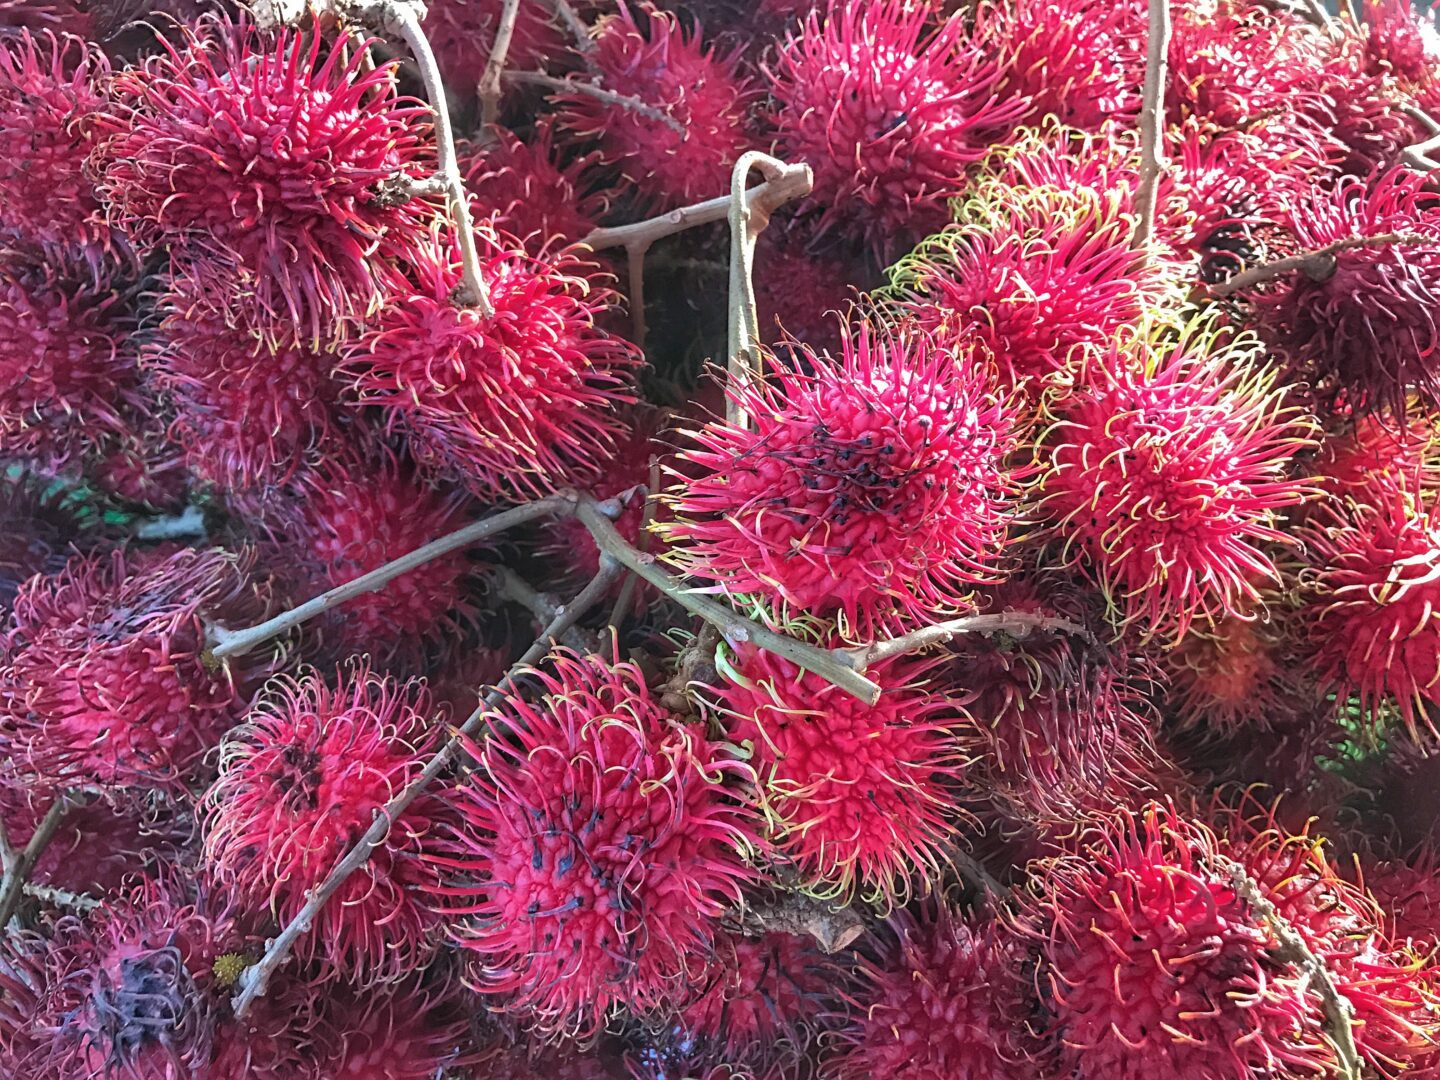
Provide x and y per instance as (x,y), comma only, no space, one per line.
(719,540)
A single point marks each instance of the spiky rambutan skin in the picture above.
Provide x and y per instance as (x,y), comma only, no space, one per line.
(597,847)
(264,153)
(109,681)
(463,34)
(299,783)
(60,16)
(1164,477)
(888,114)
(350,514)
(1399,41)
(139,467)
(510,405)
(874,484)
(801,286)
(667,67)
(37,526)
(1378,451)
(948,997)
(67,361)
(51,91)
(529,191)
(408,1031)
(858,797)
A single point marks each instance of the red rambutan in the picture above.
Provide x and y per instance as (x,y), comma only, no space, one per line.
(597,848)
(37,527)
(1399,40)
(139,467)
(407,1031)
(529,191)
(1378,451)
(61,16)
(800,292)
(516,403)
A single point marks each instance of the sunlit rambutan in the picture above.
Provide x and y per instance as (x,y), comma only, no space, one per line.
(1164,474)
(888,114)
(874,484)
(857,796)
(67,364)
(109,681)
(265,155)
(299,783)
(528,190)
(37,527)
(510,405)
(462,33)
(702,93)
(947,997)
(597,847)
(51,90)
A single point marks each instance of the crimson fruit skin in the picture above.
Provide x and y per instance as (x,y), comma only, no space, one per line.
(888,114)
(598,843)
(511,405)
(107,681)
(668,68)
(300,781)
(263,155)
(37,527)
(874,488)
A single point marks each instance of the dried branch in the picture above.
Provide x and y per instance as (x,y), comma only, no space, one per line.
(1339,1013)
(490,80)
(1017,624)
(234,642)
(609,97)
(1152,121)
(832,928)
(627,587)
(47,894)
(1316,265)
(256,978)
(747,221)
(18,868)
(635,273)
(544,606)
(579,32)
(1417,155)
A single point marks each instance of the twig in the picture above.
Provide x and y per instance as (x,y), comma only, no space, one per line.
(1152,121)
(747,221)
(1338,1011)
(579,32)
(635,266)
(1316,265)
(832,928)
(1018,624)
(186,525)
(233,642)
(16,873)
(48,894)
(609,97)
(256,978)
(647,515)
(544,606)
(490,80)
(1417,155)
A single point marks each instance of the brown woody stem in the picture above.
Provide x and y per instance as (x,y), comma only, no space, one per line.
(1152,121)
(1316,265)
(495,64)
(18,869)
(599,93)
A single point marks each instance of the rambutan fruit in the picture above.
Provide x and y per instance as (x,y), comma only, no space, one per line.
(463,34)
(858,797)
(509,405)
(299,783)
(528,190)
(947,997)
(598,845)
(1379,450)
(38,524)
(139,467)
(874,484)
(62,16)
(1399,41)
(109,680)
(265,155)
(1164,474)
(888,114)
(407,1031)
(802,286)
(702,94)
(51,91)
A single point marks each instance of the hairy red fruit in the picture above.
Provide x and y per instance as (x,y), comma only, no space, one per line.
(1399,41)
(299,783)
(530,191)
(406,1031)
(140,468)
(510,405)
(1378,451)
(858,796)
(108,680)
(1164,477)
(36,528)
(667,68)
(462,33)
(888,114)
(873,487)
(801,286)
(947,998)
(264,155)
(60,16)
(597,848)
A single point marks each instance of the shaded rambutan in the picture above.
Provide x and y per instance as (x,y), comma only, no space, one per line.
(109,680)
(509,405)
(139,467)
(1377,450)
(38,524)
(598,845)
(299,783)
(408,1031)
(265,154)
(463,34)
(799,291)
(888,114)
(874,485)
(702,93)
(857,796)
(528,190)
(60,16)
(1164,476)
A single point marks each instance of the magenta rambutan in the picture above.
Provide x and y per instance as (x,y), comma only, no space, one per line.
(38,525)
(858,797)
(529,191)
(801,287)
(947,998)
(1164,476)
(874,486)
(511,404)
(109,680)
(1378,451)
(598,845)
(265,154)
(702,95)
(139,467)
(299,783)
(888,114)
(59,16)
(1399,41)
(462,33)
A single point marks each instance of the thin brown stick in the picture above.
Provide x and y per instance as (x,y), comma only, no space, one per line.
(635,265)
(47,894)
(495,64)
(1317,265)
(13,885)
(256,978)
(1152,121)
(1018,624)
(543,606)
(599,93)
(747,221)
(234,642)
(579,32)
(627,588)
